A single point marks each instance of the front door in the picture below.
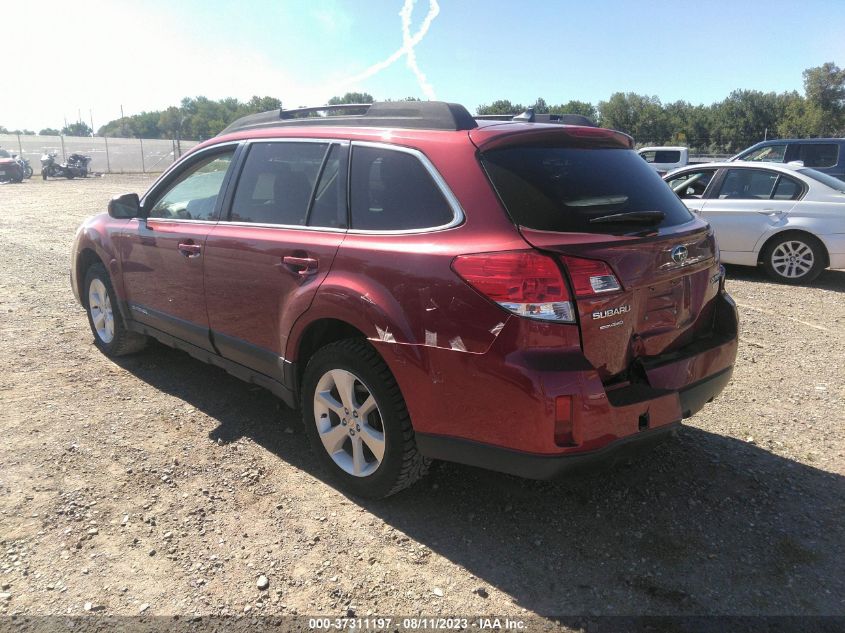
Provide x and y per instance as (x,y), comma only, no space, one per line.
(162,255)
(265,260)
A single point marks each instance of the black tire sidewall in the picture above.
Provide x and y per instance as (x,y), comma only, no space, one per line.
(335,356)
(809,240)
(98,271)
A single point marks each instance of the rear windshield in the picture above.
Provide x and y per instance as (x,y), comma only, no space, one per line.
(825,179)
(562,188)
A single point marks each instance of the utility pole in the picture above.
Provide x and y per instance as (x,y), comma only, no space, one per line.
(91,114)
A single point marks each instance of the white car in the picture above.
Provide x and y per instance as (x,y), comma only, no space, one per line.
(788,218)
(665,159)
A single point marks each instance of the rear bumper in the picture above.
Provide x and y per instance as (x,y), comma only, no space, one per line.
(539,466)
(835,245)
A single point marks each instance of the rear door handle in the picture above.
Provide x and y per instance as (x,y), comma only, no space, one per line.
(189,249)
(303,265)
(771,212)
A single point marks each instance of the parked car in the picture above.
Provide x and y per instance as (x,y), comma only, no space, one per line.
(519,296)
(786,218)
(826,155)
(10,168)
(665,159)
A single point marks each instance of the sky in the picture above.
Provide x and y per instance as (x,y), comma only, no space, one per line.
(89,57)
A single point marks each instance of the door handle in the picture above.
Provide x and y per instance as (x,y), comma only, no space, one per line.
(189,249)
(303,265)
(771,212)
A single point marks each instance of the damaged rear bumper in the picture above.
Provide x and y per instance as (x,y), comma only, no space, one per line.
(540,466)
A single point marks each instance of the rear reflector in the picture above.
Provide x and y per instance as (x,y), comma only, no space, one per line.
(563,421)
(525,283)
(591,277)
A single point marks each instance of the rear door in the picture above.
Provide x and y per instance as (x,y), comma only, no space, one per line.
(162,255)
(266,258)
(746,203)
(561,195)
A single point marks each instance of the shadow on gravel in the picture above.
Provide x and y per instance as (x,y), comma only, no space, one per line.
(829,279)
(704,524)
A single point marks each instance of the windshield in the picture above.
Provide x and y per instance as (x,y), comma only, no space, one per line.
(768,154)
(563,188)
(825,179)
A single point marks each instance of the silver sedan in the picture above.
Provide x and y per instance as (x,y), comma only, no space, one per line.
(789,219)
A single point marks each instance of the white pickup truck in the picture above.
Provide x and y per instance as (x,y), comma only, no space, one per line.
(665,159)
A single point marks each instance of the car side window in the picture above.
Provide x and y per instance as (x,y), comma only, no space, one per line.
(194,194)
(692,184)
(747,184)
(787,189)
(276,183)
(768,154)
(818,154)
(392,190)
(328,209)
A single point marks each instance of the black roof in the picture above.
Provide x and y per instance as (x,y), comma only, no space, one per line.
(430,115)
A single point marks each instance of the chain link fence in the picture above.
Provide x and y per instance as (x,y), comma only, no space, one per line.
(108,155)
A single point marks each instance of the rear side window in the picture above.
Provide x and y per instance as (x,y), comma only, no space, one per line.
(276,183)
(787,189)
(747,184)
(391,190)
(818,154)
(562,188)
(662,156)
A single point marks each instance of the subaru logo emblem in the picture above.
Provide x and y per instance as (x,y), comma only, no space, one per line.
(679,254)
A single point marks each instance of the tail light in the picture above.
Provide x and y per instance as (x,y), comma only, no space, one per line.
(591,277)
(526,283)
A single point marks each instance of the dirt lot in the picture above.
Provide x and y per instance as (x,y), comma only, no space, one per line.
(164,486)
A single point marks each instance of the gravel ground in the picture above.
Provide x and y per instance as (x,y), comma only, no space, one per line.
(160,485)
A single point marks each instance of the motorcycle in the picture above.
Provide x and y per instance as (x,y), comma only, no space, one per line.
(75,167)
(81,163)
(26,168)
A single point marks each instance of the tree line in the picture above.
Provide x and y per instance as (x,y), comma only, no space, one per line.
(743,118)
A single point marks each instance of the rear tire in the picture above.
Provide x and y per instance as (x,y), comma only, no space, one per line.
(110,333)
(357,421)
(794,257)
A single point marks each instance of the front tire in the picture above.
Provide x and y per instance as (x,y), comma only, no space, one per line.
(794,258)
(27,172)
(357,421)
(110,333)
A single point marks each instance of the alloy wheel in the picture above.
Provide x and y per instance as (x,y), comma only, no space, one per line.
(792,259)
(349,422)
(99,305)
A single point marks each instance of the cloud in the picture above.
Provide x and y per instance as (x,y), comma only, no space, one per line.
(407,49)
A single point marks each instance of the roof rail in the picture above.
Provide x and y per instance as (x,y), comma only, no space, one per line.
(431,115)
(530,117)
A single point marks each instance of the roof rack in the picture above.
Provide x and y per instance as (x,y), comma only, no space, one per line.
(530,117)
(431,115)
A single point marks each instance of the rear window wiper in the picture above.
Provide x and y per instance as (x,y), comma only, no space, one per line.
(640,217)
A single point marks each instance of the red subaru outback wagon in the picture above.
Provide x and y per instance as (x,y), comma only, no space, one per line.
(519,296)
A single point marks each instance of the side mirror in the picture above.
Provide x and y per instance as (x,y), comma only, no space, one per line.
(124,207)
